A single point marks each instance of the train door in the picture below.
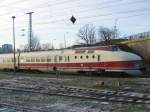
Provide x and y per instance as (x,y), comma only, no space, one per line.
(49,62)
(100,68)
(98,58)
(57,62)
(55,59)
(55,67)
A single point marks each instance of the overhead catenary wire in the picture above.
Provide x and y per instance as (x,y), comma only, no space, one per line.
(104,19)
(104,15)
(39,6)
(85,18)
(62,20)
(83,10)
(113,4)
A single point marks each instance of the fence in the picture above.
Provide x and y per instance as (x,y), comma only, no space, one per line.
(139,35)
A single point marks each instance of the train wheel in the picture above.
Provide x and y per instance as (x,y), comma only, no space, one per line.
(102,71)
(55,69)
(89,73)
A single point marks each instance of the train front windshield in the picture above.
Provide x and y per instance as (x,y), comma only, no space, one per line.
(122,48)
(115,48)
(125,48)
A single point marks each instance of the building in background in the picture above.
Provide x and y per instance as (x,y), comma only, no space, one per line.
(1,50)
(6,48)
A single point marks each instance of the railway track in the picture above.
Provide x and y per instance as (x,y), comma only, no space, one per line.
(93,94)
(5,107)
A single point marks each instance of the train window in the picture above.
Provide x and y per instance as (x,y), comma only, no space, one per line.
(75,57)
(12,59)
(98,58)
(8,60)
(32,59)
(28,60)
(91,51)
(48,59)
(115,48)
(37,59)
(55,59)
(80,51)
(87,57)
(81,57)
(60,58)
(68,59)
(93,56)
(4,61)
(65,59)
(43,60)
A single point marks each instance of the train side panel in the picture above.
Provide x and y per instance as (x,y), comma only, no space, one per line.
(75,60)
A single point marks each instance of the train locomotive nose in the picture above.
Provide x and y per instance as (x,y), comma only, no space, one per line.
(135,63)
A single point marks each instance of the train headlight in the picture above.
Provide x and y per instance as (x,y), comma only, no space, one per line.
(138,64)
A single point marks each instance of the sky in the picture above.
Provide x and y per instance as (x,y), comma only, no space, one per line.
(51,22)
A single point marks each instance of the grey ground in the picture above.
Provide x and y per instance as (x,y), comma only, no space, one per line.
(11,101)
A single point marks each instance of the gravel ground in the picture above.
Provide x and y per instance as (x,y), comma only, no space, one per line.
(11,101)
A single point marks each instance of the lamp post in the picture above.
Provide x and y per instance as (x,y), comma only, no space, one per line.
(13,17)
(65,42)
(52,44)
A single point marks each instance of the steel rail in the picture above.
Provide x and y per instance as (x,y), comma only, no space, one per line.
(87,94)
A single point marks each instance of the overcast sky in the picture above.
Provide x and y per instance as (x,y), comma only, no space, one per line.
(51,18)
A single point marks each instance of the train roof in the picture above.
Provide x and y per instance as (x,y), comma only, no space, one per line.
(107,48)
(66,51)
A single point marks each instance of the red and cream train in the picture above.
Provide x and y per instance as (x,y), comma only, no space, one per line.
(113,58)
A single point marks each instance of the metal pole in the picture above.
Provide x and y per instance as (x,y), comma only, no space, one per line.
(13,17)
(65,40)
(52,44)
(115,29)
(30,30)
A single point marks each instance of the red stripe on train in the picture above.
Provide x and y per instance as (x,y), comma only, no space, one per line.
(90,65)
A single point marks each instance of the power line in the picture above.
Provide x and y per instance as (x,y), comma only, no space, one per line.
(93,9)
(71,27)
(37,6)
(103,15)
(14,2)
(104,19)
(83,11)
(112,4)
(90,17)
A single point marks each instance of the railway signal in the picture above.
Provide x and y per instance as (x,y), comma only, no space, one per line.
(73,19)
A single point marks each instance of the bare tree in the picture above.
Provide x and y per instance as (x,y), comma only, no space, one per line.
(87,34)
(35,44)
(105,34)
(46,46)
